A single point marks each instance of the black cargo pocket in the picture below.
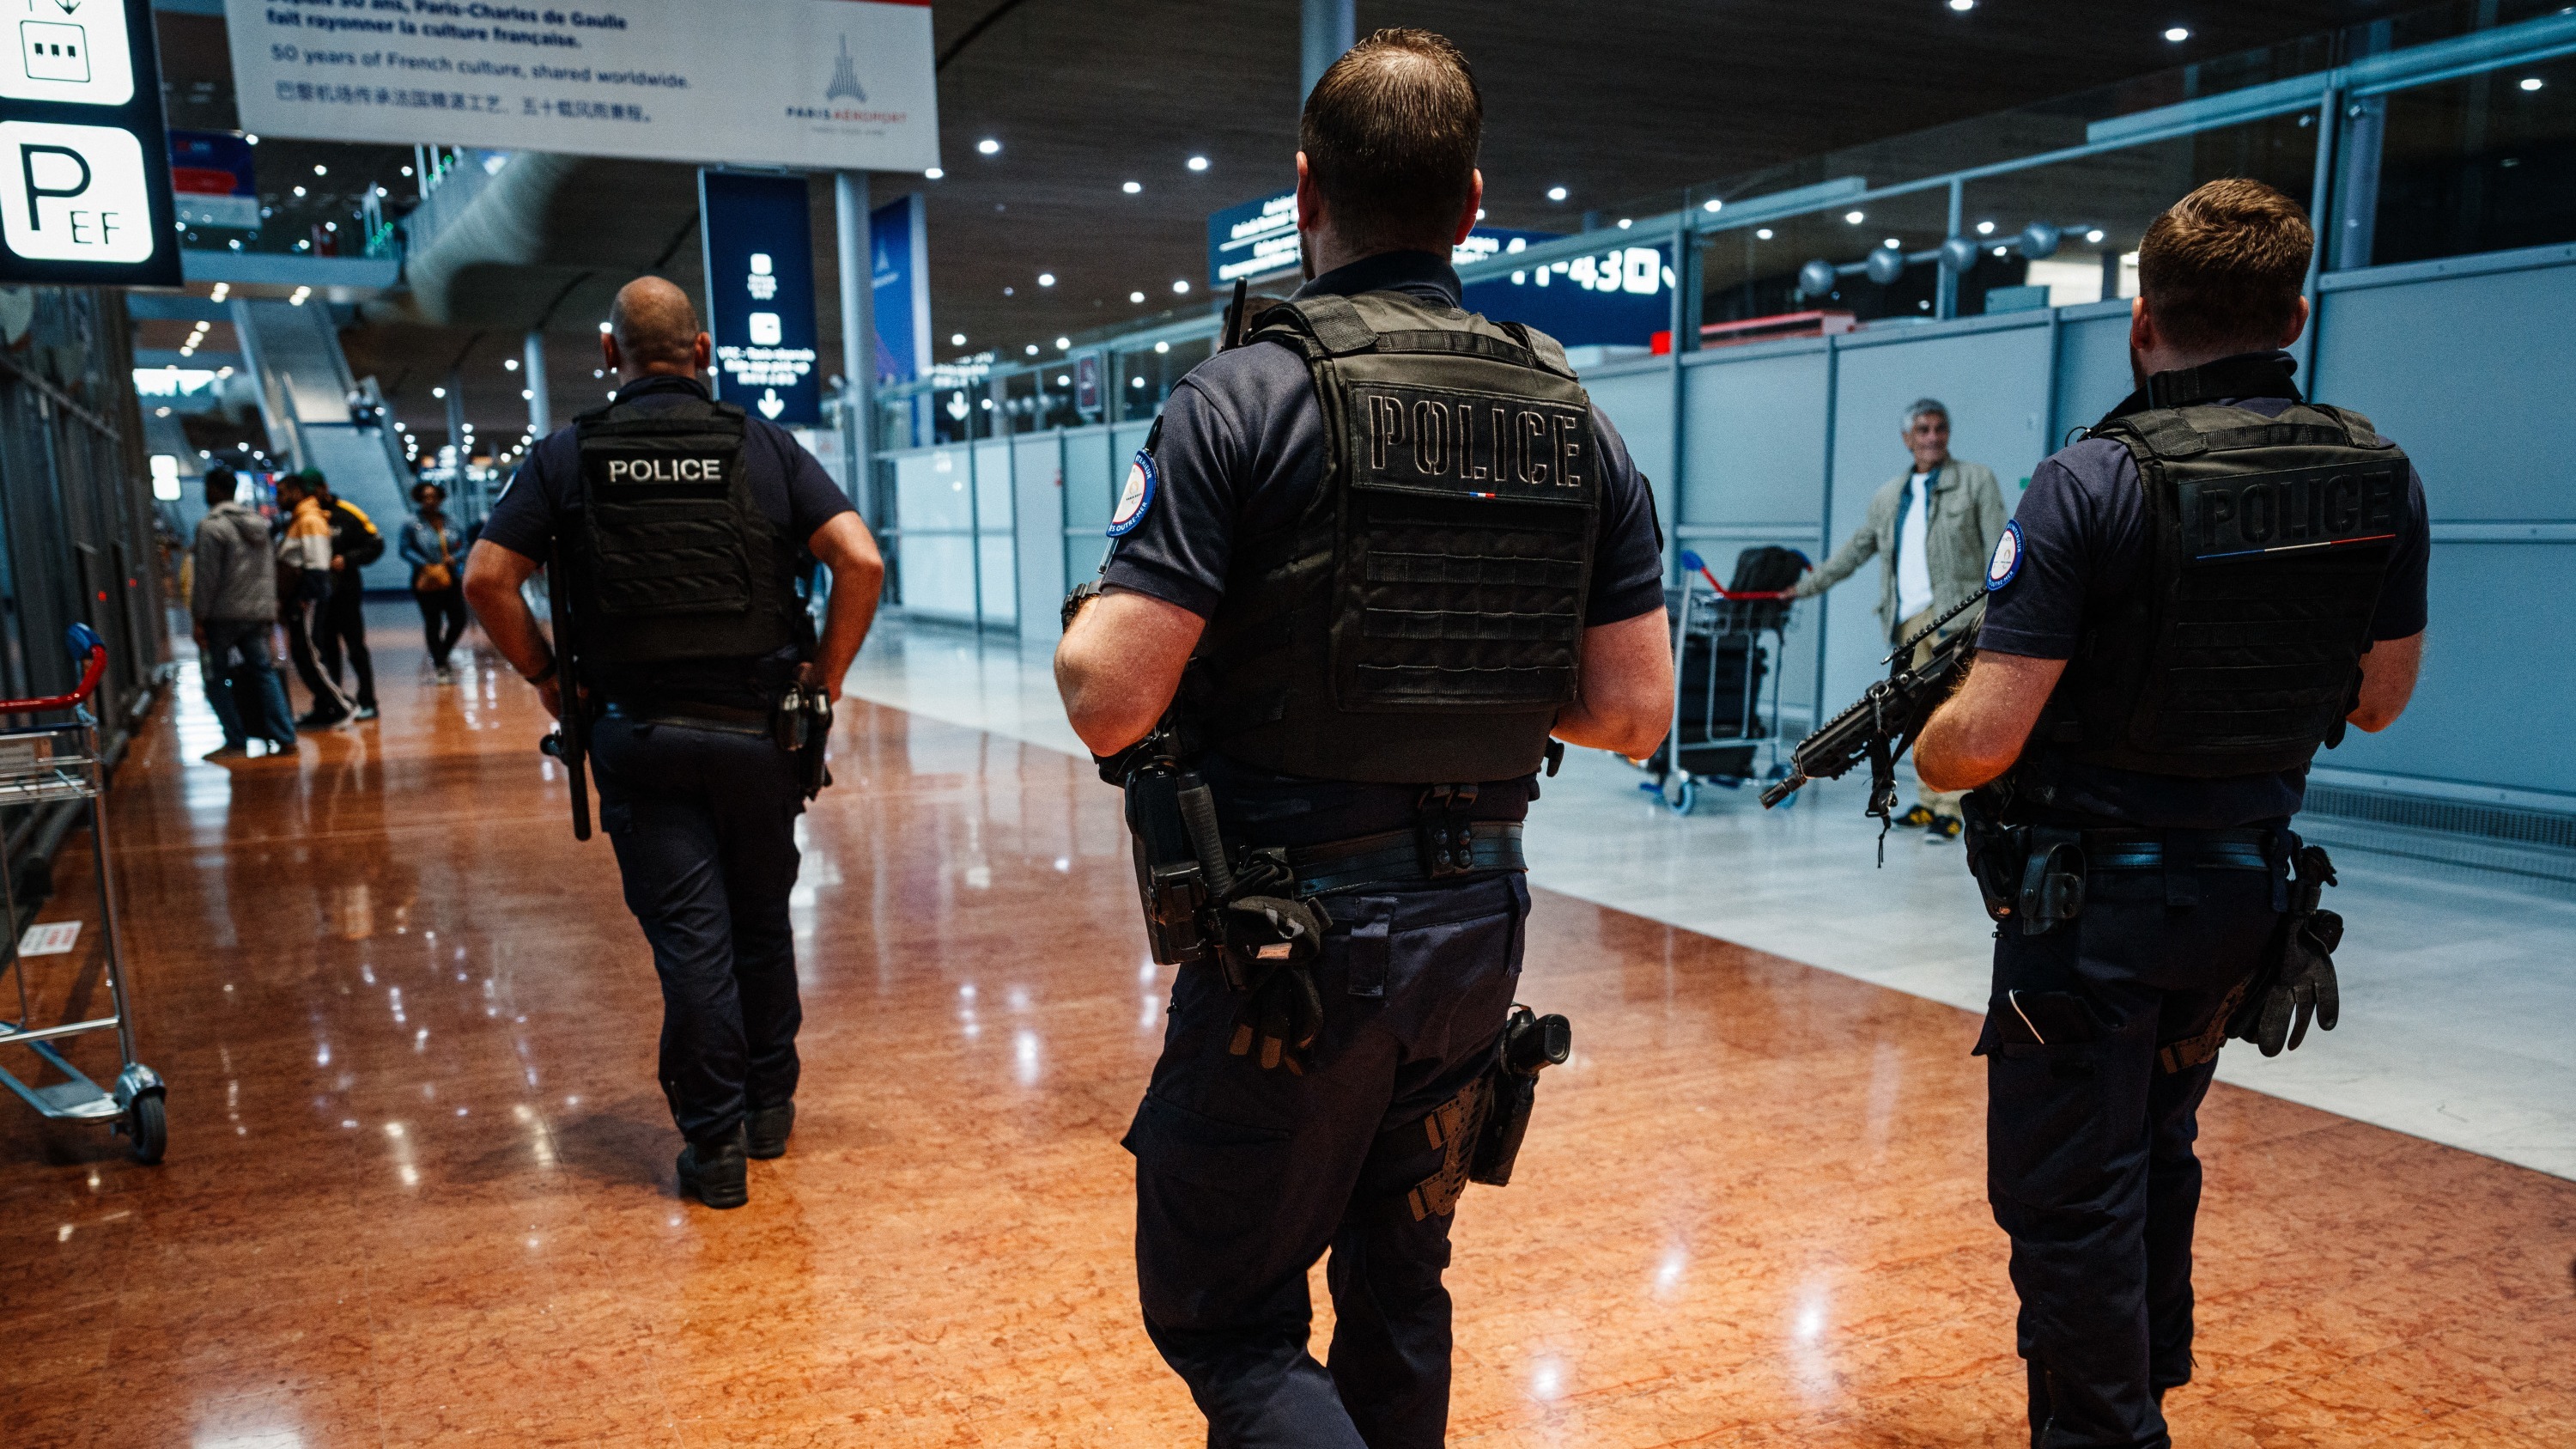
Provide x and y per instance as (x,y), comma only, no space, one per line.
(1206,1196)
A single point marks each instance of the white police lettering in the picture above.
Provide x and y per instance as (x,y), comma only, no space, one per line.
(1464,443)
(1143,481)
(666,470)
(2001,569)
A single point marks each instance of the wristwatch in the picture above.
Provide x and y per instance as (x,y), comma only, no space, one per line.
(1083,593)
(541,676)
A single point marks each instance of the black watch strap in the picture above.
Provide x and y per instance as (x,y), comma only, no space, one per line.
(545,674)
(1082,594)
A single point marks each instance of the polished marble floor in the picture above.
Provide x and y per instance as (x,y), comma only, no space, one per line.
(419,1188)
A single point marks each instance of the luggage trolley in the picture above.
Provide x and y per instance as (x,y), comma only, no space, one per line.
(1718,667)
(37,767)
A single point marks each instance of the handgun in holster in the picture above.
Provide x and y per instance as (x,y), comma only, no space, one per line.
(801,725)
(2033,874)
(1479,1131)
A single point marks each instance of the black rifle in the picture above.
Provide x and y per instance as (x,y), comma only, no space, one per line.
(1232,335)
(1881,726)
(570,742)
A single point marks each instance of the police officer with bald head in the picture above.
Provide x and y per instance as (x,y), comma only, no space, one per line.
(683,528)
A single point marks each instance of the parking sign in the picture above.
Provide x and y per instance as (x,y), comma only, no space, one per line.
(84,161)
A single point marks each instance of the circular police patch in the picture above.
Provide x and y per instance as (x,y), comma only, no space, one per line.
(2007,560)
(1142,483)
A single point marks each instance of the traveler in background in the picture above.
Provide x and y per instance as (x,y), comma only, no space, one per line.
(232,604)
(355,543)
(436,553)
(1932,528)
(303,584)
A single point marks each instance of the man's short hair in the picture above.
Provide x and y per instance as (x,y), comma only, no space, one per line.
(2223,267)
(1390,135)
(655,325)
(221,485)
(1922,405)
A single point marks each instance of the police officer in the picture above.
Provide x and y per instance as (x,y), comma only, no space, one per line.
(683,666)
(2218,580)
(1396,549)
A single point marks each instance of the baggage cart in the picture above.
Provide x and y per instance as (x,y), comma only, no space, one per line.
(41,765)
(1721,734)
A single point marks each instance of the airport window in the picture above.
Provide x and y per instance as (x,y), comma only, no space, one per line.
(2482,164)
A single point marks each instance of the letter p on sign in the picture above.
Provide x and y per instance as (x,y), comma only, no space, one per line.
(74,193)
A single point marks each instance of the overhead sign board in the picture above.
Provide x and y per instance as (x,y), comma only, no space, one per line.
(899,262)
(823,84)
(84,161)
(760,294)
(1259,239)
(1620,296)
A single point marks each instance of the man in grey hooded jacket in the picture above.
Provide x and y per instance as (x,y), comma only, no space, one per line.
(232,599)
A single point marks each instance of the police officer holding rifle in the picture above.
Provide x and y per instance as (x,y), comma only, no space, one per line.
(1393,548)
(685,666)
(2221,578)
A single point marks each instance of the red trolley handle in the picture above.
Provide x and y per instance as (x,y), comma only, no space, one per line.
(1691,560)
(93,654)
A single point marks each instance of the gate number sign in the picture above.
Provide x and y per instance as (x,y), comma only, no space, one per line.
(84,161)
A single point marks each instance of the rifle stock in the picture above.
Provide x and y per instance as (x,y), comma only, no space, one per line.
(570,742)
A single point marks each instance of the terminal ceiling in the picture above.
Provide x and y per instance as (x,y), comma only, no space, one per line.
(1616,100)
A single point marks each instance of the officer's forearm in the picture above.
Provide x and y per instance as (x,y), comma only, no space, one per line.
(858,579)
(1119,664)
(1979,731)
(493,575)
(1627,700)
(2388,672)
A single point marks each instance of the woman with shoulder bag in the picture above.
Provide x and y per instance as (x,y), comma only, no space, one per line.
(431,545)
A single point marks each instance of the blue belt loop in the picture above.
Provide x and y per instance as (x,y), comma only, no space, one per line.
(1368,945)
(2182,885)
(2279,851)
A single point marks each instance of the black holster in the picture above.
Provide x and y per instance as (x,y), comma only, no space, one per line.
(1479,1131)
(2033,874)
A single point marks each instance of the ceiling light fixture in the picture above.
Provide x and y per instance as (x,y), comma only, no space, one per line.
(988,147)
(1182,286)
(1132,187)
(1762,234)
(1063,343)
(1855,217)
(1198,163)
(1963,6)
(2531,82)
(2095,235)
(2178,34)
(1033,349)
(1712,205)
(1046,279)
(1135,296)
(1556,193)
(1985,228)
(956,339)
(1892,244)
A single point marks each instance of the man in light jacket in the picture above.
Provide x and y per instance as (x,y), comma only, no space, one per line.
(232,602)
(1933,528)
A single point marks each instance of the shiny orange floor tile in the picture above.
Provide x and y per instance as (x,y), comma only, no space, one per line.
(420,1187)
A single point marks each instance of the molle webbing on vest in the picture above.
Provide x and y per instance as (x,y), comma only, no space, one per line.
(2238,650)
(1423,620)
(674,560)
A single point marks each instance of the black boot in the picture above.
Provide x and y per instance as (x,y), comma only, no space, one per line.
(716,1171)
(766,1129)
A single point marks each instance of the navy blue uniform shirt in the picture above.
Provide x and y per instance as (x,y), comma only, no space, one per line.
(2083,526)
(790,488)
(1240,454)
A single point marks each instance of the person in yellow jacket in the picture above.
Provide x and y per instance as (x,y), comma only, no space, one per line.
(303,589)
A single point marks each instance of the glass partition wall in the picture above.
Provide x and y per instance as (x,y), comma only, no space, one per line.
(2448,131)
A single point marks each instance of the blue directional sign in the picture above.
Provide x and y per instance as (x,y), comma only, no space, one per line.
(760,294)
(1620,295)
(84,161)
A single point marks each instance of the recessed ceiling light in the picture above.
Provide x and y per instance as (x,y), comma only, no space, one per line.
(438,392)
(1063,381)
(933,174)
(956,339)
(509,364)
(1162,347)
(1198,163)
(2531,82)
(1963,6)
(1132,187)
(1626,222)
(1033,349)
(2003,251)
(321,170)
(1556,193)
(988,147)
(1985,228)
(1062,343)
(2095,235)
(1891,244)
(603,327)
(1046,279)
(1135,296)
(1712,204)
(1181,286)
(1855,217)
(2178,34)
(1762,234)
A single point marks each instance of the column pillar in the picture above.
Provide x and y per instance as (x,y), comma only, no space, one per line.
(541,413)
(858,335)
(1324,33)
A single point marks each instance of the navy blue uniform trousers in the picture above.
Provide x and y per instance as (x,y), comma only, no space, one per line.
(704,823)
(2089,1161)
(1245,1177)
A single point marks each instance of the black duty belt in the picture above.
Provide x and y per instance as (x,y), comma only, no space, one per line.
(693,715)
(1397,858)
(2203,849)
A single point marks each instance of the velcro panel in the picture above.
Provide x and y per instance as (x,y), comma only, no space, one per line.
(1460,444)
(2291,511)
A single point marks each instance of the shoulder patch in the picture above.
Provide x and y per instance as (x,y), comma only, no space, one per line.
(2006,564)
(1143,482)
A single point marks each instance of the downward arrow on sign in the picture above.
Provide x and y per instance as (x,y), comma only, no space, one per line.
(771,404)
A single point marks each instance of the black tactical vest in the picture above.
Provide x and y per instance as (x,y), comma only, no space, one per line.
(1422,621)
(2238,650)
(673,560)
